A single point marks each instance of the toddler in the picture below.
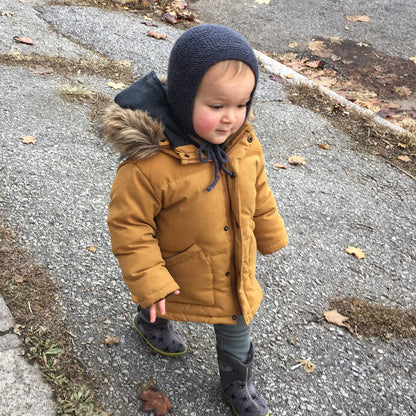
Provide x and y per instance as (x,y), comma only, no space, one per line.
(190,204)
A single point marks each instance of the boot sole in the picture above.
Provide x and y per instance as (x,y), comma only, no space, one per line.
(166,354)
(232,406)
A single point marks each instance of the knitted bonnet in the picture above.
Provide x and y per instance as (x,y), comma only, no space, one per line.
(192,55)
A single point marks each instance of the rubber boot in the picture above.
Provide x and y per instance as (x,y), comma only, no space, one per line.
(237,385)
(161,335)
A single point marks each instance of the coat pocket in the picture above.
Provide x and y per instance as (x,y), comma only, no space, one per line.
(192,271)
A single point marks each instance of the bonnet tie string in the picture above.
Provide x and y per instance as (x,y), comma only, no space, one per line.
(218,156)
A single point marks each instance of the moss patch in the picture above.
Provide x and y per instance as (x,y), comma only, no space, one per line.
(33,299)
(369,319)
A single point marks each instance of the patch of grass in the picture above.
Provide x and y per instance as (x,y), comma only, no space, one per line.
(368,135)
(102,66)
(369,319)
(33,299)
(76,91)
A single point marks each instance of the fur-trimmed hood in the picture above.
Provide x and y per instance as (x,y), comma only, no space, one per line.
(132,133)
(141,119)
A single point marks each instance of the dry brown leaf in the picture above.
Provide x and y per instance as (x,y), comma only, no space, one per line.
(313,64)
(334,317)
(156,401)
(41,70)
(23,39)
(404,158)
(317,46)
(279,166)
(355,251)
(18,329)
(294,45)
(403,91)
(359,18)
(28,140)
(18,279)
(111,341)
(10,14)
(413,59)
(324,146)
(93,249)
(402,145)
(156,35)
(297,160)
(335,39)
(308,366)
(180,4)
(289,76)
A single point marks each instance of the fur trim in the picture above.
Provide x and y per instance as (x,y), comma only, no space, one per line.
(132,133)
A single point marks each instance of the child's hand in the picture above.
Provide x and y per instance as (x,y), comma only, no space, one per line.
(161,305)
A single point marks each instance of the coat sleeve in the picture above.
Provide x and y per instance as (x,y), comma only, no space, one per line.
(270,231)
(133,208)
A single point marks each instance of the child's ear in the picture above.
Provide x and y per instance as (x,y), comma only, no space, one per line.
(251,115)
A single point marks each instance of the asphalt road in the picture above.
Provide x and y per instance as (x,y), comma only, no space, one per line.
(55,194)
(272,27)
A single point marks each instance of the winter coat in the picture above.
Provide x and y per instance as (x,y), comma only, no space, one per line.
(168,232)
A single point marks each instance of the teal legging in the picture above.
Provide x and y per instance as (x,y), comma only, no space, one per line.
(234,339)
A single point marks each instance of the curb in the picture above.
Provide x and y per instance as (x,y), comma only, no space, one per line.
(277,68)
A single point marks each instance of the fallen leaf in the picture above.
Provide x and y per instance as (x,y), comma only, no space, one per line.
(111,341)
(317,46)
(170,19)
(93,249)
(17,329)
(180,4)
(10,14)
(156,401)
(355,251)
(324,146)
(262,1)
(403,91)
(116,85)
(313,64)
(308,366)
(40,70)
(359,18)
(413,58)
(23,39)
(294,45)
(404,158)
(334,317)
(289,76)
(402,145)
(149,23)
(156,35)
(279,165)
(18,279)
(278,79)
(297,160)
(335,39)
(28,140)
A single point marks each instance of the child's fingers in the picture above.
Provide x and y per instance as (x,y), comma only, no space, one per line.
(162,307)
(176,292)
(152,312)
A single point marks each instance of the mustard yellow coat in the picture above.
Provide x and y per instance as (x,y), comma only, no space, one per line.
(168,232)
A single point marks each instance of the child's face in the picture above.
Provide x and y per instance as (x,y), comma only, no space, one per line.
(220,105)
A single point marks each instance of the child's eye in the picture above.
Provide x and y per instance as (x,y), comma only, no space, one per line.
(216,107)
(243,105)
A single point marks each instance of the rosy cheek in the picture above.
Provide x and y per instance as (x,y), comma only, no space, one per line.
(204,124)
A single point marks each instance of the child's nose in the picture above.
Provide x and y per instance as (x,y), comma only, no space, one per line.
(229,116)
